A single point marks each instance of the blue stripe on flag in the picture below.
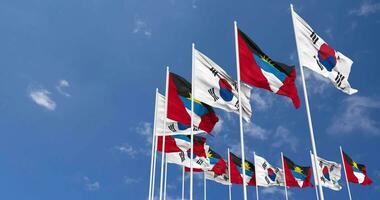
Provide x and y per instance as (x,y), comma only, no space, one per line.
(269,68)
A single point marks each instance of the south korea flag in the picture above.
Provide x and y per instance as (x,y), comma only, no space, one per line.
(266,174)
(213,86)
(315,54)
(329,173)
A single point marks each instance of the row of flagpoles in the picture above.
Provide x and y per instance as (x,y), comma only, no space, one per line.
(187,108)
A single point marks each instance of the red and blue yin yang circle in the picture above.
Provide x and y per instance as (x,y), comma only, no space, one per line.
(271,174)
(326,173)
(326,56)
(225,90)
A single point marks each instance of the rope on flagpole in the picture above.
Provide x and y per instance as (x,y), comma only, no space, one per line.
(345,173)
(307,109)
(283,167)
(153,147)
(164,134)
(240,111)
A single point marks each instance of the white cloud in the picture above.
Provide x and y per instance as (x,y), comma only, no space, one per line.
(91,185)
(355,115)
(315,83)
(62,84)
(127,149)
(283,137)
(218,127)
(194,4)
(41,97)
(270,191)
(366,8)
(141,27)
(329,33)
(262,100)
(130,180)
(145,129)
(255,131)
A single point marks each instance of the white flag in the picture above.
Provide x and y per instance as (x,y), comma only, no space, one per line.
(329,173)
(172,127)
(217,89)
(317,55)
(184,159)
(266,174)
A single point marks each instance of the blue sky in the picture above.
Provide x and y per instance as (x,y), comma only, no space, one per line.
(78,78)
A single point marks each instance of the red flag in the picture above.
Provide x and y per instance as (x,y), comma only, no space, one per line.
(355,172)
(236,171)
(296,176)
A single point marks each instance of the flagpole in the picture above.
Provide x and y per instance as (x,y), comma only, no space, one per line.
(240,111)
(315,176)
(154,166)
(307,109)
(345,173)
(153,147)
(183,183)
(229,175)
(283,167)
(192,121)
(204,186)
(163,134)
(257,187)
(166,175)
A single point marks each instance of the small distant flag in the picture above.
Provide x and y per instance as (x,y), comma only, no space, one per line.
(236,171)
(329,173)
(296,175)
(259,70)
(266,174)
(355,172)
(216,88)
(179,106)
(178,143)
(317,55)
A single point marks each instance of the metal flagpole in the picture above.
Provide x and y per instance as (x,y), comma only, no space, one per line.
(345,173)
(153,148)
(315,176)
(257,187)
(154,165)
(204,186)
(164,130)
(183,183)
(192,121)
(283,167)
(307,109)
(240,111)
(166,176)
(229,175)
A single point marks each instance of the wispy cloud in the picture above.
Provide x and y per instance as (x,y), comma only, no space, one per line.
(366,8)
(145,129)
(316,84)
(127,149)
(91,185)
(42,98)
(271,191)
(130,180)
(355,115)
(194,4)
(255,131)
(262,100)
(62,85)
(142,28)
(283,137)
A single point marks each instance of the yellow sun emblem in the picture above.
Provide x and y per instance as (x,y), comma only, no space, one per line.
(195,100)
(209,154)
(355,164)
(267,59)
(298,169)
(247,166)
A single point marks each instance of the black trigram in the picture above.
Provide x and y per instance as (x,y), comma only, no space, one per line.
(267,180)
(195,128)
(172,128)
(199,162)
(320,164)
(235,86)
(265,165)
(323,179)
(211,91)
(339,79)
(214,71)
(237,105)
(314,37)
(182,156)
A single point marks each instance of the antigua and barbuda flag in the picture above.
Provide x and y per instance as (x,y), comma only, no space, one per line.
(218,171)
(259,70)
(355,172)
(329,173)
(266,174)
(236,171)
(179,106)
(172,127)
(216,88)
(315,54)
(296,175)
(199,162)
